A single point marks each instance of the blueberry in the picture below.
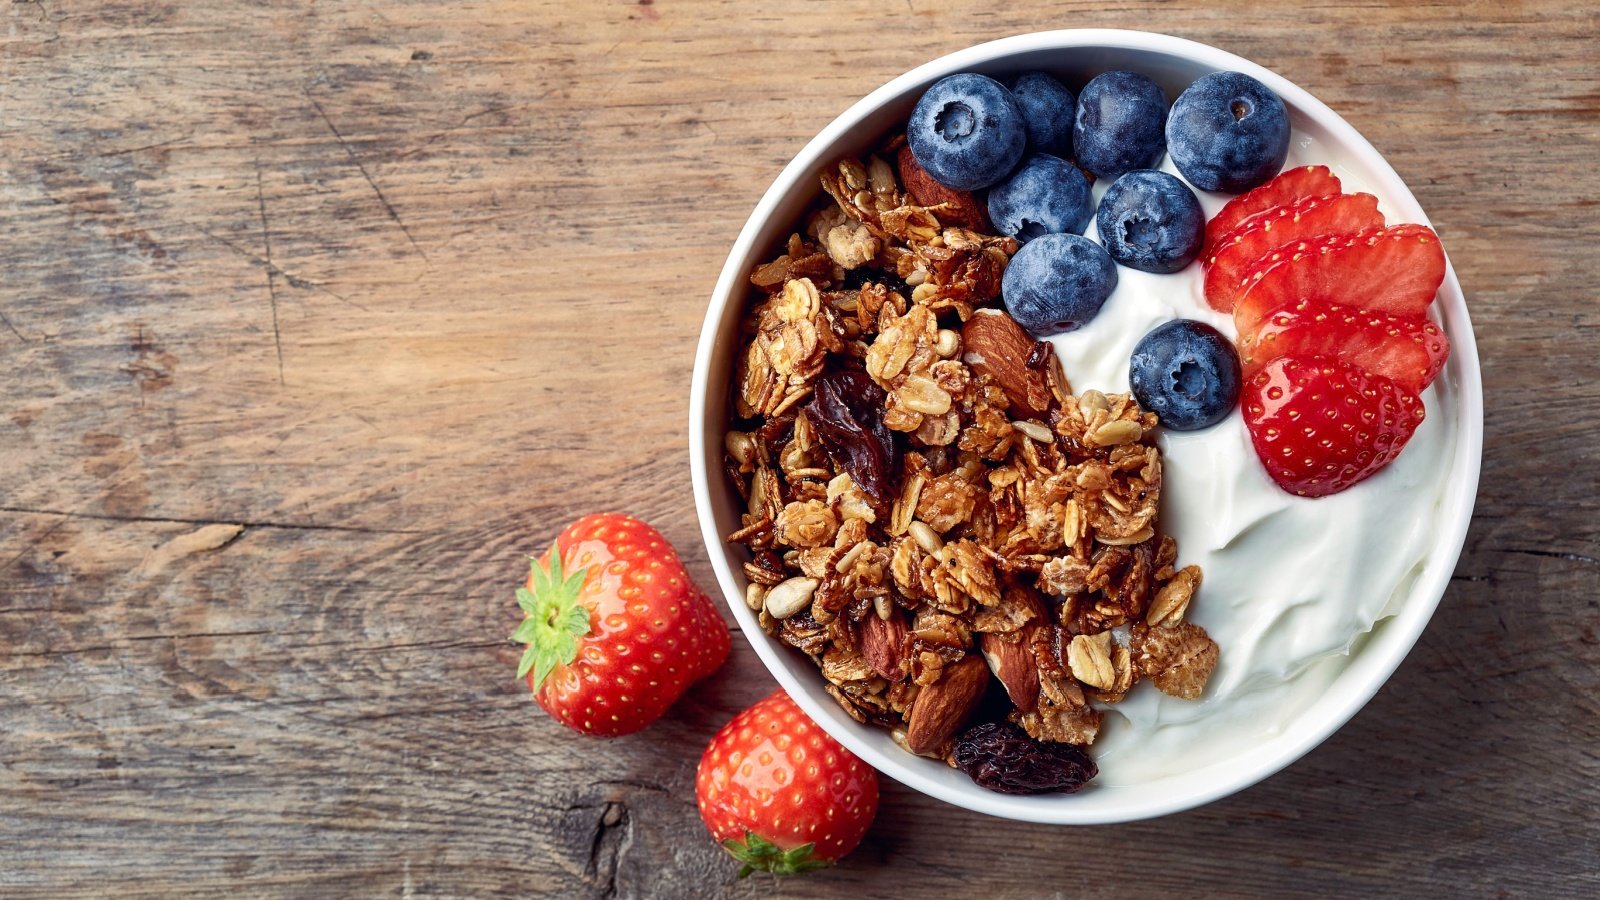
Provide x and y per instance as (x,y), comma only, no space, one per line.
(1047,110)
(1228,132)
(1120,117)
(1187,373)
(966,132)
(1045,195)
(1057,283)
(1151,221)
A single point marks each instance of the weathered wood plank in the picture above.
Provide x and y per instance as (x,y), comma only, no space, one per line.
(382,286)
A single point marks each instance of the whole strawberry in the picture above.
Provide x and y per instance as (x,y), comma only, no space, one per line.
(615,629)
(780,794)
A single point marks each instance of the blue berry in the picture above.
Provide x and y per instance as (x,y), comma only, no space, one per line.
(1186,373)
(1151,221)
(1047,110)
(1119,124)
(1228,132)
(1057,283)
(1045,195)
(966,132)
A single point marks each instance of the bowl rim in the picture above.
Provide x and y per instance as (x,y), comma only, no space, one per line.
(1400,632)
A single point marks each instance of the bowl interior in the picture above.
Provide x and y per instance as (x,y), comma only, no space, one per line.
(1074,56)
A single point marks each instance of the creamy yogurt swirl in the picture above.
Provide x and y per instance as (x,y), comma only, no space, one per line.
(1290,583)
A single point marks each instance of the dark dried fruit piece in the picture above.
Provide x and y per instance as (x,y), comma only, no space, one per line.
(846,410)
(998,756)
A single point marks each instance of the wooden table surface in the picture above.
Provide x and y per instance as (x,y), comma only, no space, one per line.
(317,318)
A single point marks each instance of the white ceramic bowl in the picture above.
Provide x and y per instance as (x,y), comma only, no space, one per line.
(1075,55)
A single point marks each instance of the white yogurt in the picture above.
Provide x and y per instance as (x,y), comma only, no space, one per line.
(1290,583)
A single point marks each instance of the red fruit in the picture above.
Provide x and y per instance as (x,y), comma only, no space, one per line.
(1407,350)
(1396,269)
(780,794)
(1237,251)
(1320,425)
(1295,184)
(615,629)
(714,633)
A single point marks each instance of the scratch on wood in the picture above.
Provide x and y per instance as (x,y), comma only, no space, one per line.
(44,14)
(294,280)
(272,283)
(201,540)
(34,543)
(7,319)
(368,176)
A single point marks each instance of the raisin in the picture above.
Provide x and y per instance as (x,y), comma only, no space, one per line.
(856,278)
(1000,757)
(846,409)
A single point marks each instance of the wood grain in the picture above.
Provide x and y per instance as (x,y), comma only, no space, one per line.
(317,318)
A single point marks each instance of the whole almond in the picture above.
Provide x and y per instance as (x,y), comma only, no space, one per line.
(944,706)
(997,346)
(962,208)
(1011,661)
(882,643)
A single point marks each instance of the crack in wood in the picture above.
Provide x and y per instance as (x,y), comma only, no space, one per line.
(248,523)
(1552,554)
(205,539)
(613,835)
(429,645)
(135,638)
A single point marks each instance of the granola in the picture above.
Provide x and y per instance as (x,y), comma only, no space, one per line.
(930,510)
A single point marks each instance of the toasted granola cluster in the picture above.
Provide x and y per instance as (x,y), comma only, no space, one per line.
(929,506)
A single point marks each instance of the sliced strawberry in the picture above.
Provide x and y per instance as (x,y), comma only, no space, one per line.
(1239,249)
(1407,350)
(1295,184)
(1395,269)
(1320,425)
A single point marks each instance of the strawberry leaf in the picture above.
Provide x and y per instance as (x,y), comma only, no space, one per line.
(525,631)
(556,619)
(761,855)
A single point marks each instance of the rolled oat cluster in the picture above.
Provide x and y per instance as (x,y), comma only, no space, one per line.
(930,508)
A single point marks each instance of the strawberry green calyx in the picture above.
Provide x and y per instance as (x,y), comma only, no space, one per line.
(555,619)
(761,855)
